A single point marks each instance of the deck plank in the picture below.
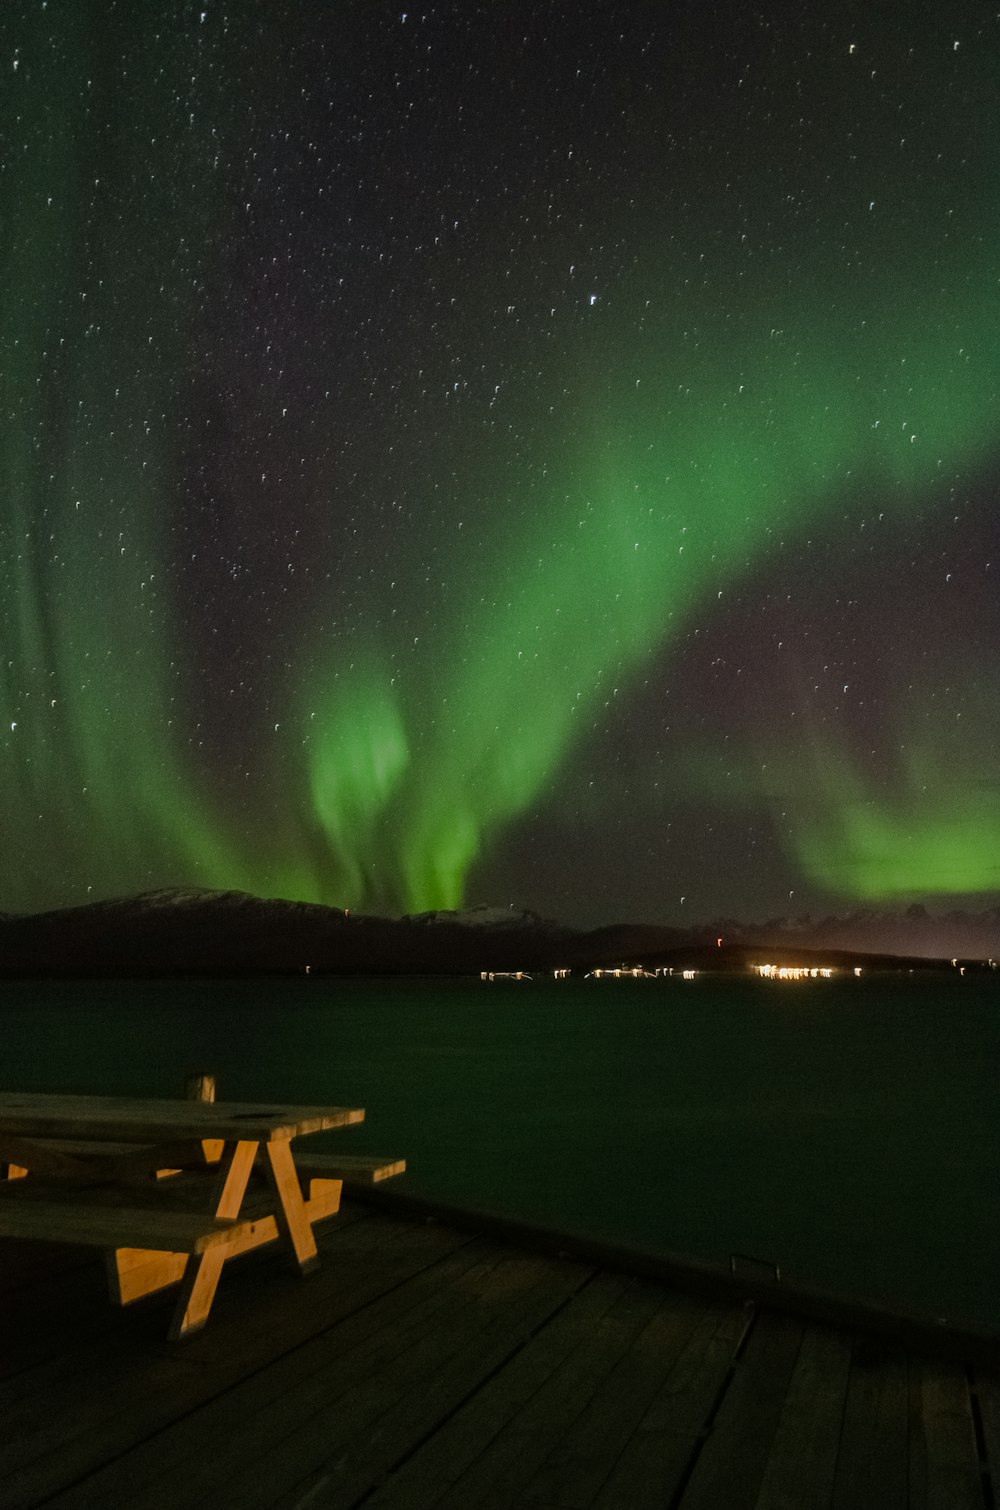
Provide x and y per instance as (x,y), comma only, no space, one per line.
(987,1389)
(132,1385)
(422,1366)
(68,1305)
(24,1265)
(342,1443)
(582,1455)
(441,1462)
(730,1468)
(63,1300)
(872,1465)
(281,1423)
(576,1453)
(63,1305)
(659,1453)
(504,1472)
(801,1466)
(349,1456)
(944,1469)
(131,1349)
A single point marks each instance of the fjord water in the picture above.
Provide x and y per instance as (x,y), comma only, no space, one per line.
(846,1130)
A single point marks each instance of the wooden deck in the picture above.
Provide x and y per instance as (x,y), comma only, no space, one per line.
(423,1365)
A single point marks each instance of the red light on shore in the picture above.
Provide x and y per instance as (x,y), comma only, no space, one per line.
(718,943)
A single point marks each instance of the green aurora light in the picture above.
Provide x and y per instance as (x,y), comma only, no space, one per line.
(689,440)
(930,826)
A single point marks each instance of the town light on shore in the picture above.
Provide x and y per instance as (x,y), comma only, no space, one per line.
(793,972)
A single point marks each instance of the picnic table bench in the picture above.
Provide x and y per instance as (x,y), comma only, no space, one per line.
(163,1186)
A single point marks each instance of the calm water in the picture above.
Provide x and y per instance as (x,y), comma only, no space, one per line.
(849,1131)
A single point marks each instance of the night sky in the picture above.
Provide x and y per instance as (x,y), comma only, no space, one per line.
(538,454)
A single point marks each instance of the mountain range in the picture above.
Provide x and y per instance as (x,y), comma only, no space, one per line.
(194,932)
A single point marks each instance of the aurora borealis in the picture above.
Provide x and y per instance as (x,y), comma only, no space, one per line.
(534,454)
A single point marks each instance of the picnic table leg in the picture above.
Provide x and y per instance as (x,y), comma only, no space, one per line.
(202,1088)
(134,1272)
(293,1220)
(201,1276)
(234,1174)
(201,1273)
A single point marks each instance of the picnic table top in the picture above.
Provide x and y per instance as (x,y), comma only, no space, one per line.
(149,1120)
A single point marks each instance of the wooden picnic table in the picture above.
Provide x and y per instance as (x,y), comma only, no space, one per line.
(82,1156)
(148,1119)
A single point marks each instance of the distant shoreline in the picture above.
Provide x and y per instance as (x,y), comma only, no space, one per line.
(232,935)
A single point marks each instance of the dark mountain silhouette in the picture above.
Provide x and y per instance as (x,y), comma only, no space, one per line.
(191,932)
